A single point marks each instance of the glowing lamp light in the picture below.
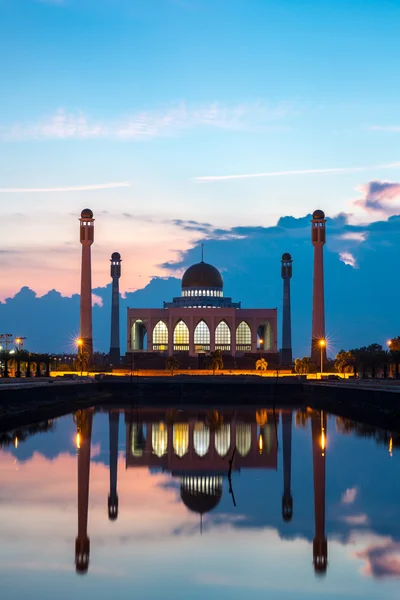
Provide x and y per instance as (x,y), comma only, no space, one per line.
(323,441)
(391,446)
(389,343)
(79,342)
(322,343)
(260,443)
(78,440)
(15,442)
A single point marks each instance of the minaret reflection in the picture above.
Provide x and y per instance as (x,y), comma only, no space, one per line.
(83,420)
(113,418)
(287,500)
(320,546)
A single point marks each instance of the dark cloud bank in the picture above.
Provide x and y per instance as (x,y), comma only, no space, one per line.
(361,302)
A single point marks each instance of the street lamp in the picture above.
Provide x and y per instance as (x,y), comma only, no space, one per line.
(79,343)
(322,345)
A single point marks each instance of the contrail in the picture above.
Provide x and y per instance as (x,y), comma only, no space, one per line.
(75,188)
(297,172)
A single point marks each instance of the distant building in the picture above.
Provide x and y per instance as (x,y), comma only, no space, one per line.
(201,321)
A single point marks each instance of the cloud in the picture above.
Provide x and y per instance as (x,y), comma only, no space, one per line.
(382,561)
(72,188)
(348,258)
(388,128)
(378,196)
(297,172)
(150,123)
(349,496)
(361,519)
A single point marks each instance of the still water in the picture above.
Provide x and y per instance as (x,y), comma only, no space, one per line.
(192,504)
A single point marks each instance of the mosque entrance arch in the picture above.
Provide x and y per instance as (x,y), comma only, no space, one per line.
(264,336)
(139,335)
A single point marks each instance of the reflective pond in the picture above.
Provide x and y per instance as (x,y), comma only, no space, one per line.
(156,503)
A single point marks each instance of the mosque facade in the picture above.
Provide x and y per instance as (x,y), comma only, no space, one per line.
(201,320)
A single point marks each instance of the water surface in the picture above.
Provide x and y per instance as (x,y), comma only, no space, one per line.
(187,504)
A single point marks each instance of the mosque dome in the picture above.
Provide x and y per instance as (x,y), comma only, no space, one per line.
(286,256)
(87,214)
(202,275)
(115,256)
(201,494)
(318,214)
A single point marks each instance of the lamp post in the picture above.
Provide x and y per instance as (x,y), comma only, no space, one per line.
(322,345)
(79,343)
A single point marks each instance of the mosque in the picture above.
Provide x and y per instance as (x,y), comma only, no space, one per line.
(201,320)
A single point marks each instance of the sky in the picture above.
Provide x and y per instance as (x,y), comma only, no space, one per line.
(183,121)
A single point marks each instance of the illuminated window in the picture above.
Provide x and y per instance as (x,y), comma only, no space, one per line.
(223,439)
(243,336)
(160,336)
(195,293)
(159,438)
(181,438)
(201,337)
(243,438)
(201,439)
(222,337)
(138,441)
(181,336)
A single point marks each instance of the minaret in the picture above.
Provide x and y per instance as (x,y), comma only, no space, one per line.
(286,353)
(115,351)
(113,418)
(287,500)
(84,419)
(320,545)
(318,315)
(87,237)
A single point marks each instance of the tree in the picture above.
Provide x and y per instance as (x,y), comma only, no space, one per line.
(215,361)
(81,362)
(171,364)
(394,345)
(302,365)
(261,364)
(344,362)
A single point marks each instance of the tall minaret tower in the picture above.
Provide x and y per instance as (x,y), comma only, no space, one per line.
(87,237)
(286,353)
(318,315)
(320,545)
(83,419)
(113,418)
(115,270)
(287,500)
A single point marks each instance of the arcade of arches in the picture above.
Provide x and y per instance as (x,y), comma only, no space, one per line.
(202,337)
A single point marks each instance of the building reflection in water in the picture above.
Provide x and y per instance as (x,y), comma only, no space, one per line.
(83,420)
(197,449)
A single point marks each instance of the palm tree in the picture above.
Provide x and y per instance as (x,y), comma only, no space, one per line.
(171,364)
(215,361)
(81,362)
(302,365)
(261,364)
(344,362)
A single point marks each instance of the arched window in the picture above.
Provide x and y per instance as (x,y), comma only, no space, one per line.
(159,438)
(243,337)
(160,336)
(138,440)
(223,439)
(222,337)
(243,438)
(202,337)
(181,336)
(181,438)
(201,439)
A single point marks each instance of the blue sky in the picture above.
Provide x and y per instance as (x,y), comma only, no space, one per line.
(149,110)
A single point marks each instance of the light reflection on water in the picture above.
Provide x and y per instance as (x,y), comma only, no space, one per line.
(186,503)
